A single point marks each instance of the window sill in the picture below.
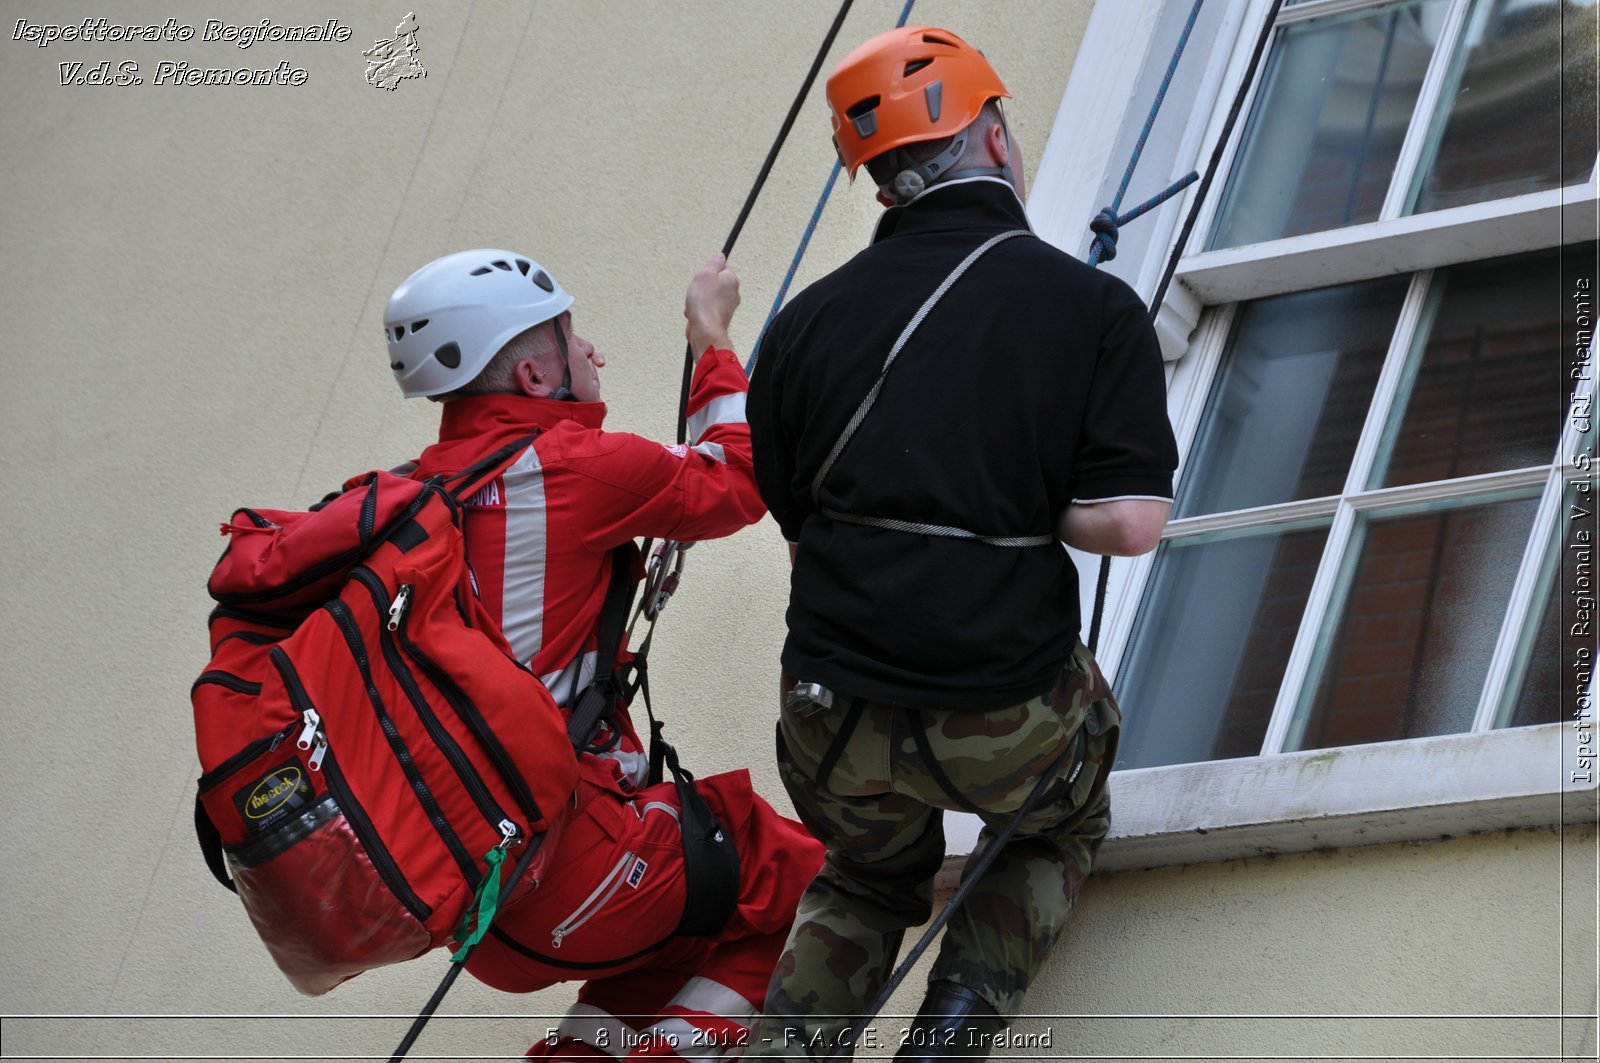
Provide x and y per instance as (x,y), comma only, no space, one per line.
(1417,790)
(1383,248)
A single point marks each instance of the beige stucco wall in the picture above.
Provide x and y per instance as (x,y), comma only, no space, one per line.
(192,281)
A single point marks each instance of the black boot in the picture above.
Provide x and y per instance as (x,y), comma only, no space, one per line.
(953,1023)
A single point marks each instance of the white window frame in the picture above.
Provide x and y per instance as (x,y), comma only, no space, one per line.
(1414,789)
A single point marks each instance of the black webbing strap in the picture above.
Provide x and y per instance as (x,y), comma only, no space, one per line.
(465,483)
(211,846)
(835,750)
(919,731)
(599,699)
(919,725)
(710,857)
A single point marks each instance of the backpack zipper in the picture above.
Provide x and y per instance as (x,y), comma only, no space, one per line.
(313,738)
(468,712)
(223,612)
(312,735)
(487,805)
(228,680)
(244,756)
(593,903)
(254,638)
(397,745)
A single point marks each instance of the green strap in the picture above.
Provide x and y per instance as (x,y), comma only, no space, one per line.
(484,904)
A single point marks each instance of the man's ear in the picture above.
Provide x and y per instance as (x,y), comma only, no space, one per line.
(528,379)
(998,140)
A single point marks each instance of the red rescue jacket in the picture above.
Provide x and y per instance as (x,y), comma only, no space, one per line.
(539,536)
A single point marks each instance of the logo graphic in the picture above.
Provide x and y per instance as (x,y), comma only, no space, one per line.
(279,793)
(392,61)
(636,873)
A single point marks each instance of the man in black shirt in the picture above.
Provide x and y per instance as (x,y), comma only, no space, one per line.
(925,462)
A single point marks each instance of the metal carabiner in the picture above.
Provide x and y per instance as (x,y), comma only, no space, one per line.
(663,575)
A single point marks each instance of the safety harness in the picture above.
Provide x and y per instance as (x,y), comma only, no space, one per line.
(1105,226)
(889,523)
(710,859)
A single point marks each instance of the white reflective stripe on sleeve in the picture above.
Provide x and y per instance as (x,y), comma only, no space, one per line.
(712,998)
(724,409)
(522,601)
(713,451)
(565,683)
(689,1041)
(599,1029)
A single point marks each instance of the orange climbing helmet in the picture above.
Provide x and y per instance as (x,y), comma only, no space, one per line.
(910,84)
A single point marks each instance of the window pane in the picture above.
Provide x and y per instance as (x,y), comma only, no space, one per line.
(1492,389)
(1550,686)
(1410,654)
(1228,611)
(1291,397)
(1327,125)
(1521,116)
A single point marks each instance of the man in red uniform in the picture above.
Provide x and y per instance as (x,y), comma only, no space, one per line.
(489,334)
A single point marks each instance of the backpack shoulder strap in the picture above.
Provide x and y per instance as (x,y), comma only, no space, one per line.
(599,698)
(211,846)
(465,483)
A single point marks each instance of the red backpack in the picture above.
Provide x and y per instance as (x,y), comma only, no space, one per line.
(370,748)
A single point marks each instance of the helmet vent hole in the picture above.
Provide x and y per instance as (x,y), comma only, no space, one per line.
(501,263)
(864,116)
(481,270)
(400,332)
(418,325)
(915,65)
(863,107)
(542,279)
(523,264)
(397,366)
(448,356)
(929,38)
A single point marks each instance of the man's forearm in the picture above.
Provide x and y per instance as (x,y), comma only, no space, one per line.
(1125,528)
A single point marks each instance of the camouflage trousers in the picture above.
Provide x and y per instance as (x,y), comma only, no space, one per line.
(870,781)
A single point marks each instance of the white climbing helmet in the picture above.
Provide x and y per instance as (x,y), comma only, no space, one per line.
(449,318)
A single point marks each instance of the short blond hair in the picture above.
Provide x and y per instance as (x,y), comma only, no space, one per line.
(499,376)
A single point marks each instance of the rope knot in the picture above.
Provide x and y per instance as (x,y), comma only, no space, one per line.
(1104,226)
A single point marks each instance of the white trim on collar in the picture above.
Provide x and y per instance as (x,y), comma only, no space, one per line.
(950,184)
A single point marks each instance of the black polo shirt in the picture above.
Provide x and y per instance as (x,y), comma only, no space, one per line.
(1035,381)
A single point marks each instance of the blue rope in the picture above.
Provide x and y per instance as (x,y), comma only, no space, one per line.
(794,264)
(1106,226)
(805,238)
(1107,223)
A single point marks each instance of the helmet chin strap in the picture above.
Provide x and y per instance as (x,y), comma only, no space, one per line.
(564,392)
(911,182)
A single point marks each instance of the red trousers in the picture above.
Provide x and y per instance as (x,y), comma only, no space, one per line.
(606,913)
